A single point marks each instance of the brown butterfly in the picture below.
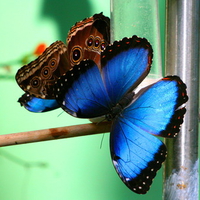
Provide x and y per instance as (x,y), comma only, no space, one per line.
(86,40)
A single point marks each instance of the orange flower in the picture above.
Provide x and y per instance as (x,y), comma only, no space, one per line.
(39,49)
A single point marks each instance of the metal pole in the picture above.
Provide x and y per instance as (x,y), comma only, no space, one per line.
(182,58)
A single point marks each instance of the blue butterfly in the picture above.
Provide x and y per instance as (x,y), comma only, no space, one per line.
(34,104)
(87,92)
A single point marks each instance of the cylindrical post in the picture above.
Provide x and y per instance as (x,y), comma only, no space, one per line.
(182,58)
(54,133)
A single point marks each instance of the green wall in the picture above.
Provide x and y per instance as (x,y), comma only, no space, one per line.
(64,169)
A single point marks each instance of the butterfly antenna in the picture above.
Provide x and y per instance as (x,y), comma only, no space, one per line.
(60,114)
(101,144)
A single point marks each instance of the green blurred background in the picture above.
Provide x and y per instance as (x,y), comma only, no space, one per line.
(64,169)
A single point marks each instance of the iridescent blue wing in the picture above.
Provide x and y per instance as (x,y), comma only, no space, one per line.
(125,64)
(81,93)
(37,105)
(156,109)
(136,155)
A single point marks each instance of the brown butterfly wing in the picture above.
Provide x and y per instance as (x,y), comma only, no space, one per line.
(88,38)
(38,77)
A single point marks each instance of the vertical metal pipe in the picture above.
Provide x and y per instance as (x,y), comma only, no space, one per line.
(182,58)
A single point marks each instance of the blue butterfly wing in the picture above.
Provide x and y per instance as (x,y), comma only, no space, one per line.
(136,155)
(124,65)
(37,105)
(156,109)
(81,92)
